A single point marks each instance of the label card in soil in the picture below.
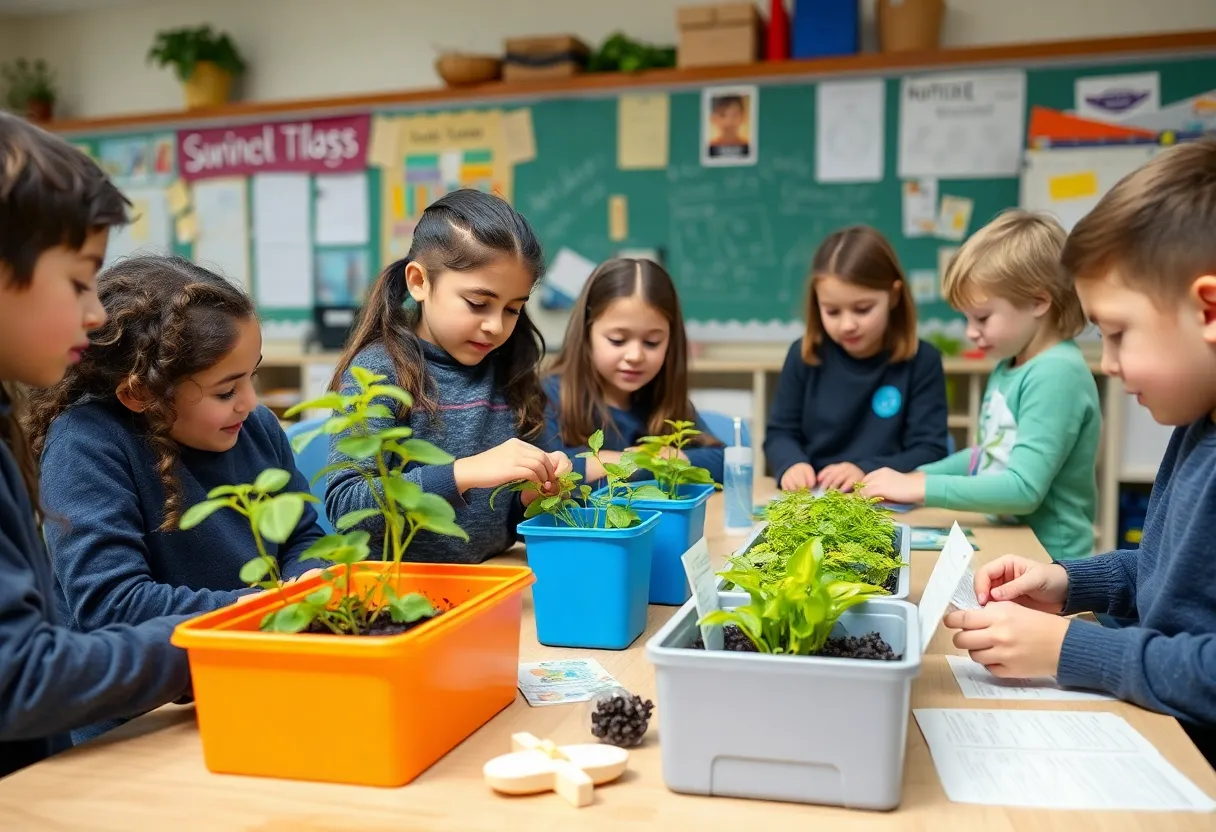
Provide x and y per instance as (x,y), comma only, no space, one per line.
(951,569)
(562,681)
(704,589)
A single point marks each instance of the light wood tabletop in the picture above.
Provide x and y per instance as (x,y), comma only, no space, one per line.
(149,774)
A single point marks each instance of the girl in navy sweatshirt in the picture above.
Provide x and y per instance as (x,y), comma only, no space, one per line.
(624,368)
(56,209)
(858,391)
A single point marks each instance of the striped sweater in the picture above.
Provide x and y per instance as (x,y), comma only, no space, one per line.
(473,417)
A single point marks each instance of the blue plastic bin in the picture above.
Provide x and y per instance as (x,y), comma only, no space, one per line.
(825,27)
(591,584)
(682,523)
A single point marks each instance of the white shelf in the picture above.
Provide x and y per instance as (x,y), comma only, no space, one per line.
(1142,475)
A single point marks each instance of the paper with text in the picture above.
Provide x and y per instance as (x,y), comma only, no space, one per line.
(964,597)
(643,125)
(951,568)
(562,681)
(962,126)
(704,589)
(976,682)
(519,138)
(1053,760)
(221,214)
(920,207)
(342,210)
(282,247)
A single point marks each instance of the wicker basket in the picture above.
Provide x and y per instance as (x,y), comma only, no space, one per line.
(460,70)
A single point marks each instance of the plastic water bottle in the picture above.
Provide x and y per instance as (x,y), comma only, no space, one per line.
(737,483)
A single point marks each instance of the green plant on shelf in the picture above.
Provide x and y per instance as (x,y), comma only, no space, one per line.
(620,53)
(795,613)
(187,47)
(342,607)
(661,456)
(28,82)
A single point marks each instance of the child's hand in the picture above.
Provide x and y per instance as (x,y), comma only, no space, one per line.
(1011,640)
(799,475)
(311,573)
(1039,586)
(562,465)
(512,460)
(894,487)
(841,476)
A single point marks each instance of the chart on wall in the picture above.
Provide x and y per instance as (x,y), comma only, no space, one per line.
(142,166)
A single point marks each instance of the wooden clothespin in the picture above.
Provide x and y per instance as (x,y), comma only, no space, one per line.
(573,771)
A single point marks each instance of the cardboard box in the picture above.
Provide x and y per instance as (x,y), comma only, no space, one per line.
(542,57)
(729,33)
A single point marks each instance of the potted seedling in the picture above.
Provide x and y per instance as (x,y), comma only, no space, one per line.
(822,669)
(686,489)
(429,651)
(31,88)
(861,542)
(205,62)
(591,557)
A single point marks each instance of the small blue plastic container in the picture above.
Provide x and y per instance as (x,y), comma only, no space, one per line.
(822,28)
(591,584)
(681,525)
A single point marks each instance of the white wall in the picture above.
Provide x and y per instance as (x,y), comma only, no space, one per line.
(306,48)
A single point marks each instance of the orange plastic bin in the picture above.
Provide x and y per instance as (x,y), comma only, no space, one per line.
(366,710)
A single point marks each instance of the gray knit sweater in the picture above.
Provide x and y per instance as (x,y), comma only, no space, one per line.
(473,417)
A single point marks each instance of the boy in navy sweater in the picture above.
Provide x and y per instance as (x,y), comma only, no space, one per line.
(1144,261)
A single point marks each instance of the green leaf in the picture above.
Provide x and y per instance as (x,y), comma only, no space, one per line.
(507,486)
(378,411)
(550,503)
(199,512)
(620,517)
(337,424)
(410,608)
(302,440)
(595,442)
(365,378)
(292,618)
(421,451)
(254,571)
(349,548)
(615,471)
(354,518)
(226,490)
(403,492)
(321,597)
(279,516)
(328,401)
(389,391)
(329,469)
(534,508)
(437,515)
(359,447)
(399,432)
(271,480)
(648,492)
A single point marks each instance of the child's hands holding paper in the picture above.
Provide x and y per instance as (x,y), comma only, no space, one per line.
(1011,640)
(1034,584)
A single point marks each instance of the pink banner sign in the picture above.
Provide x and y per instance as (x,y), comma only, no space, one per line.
(328,145)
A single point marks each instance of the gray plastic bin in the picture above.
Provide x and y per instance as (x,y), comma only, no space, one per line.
(903,533)
(792,728)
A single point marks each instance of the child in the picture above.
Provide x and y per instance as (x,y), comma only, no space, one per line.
(624,368)
(56,209)
(469,355)
(858,391)
(160,410)
(1040,419)
(1144,261)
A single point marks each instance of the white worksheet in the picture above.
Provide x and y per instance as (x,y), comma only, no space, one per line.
(976,682)
(1053,760)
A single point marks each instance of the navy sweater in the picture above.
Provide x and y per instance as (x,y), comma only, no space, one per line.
(870,412)
(1167,661)
(51,678)
(628,426)
(473,417)
(111,564)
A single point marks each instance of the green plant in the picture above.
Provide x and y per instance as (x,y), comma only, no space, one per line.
(620,53)
(404,507)
(796,613)
(561,504)
(660,455)
(28,81)
(184,48)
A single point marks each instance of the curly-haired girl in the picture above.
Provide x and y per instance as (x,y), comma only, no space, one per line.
(159,410)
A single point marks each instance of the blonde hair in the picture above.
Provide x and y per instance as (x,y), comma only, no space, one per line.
(862,256)
(1016,257)
(1156,228)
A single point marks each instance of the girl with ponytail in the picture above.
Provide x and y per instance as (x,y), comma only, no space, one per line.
(467,352)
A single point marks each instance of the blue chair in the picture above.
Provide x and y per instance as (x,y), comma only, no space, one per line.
(723,427)
(310,460)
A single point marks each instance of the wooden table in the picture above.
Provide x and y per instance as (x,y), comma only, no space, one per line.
(150,774)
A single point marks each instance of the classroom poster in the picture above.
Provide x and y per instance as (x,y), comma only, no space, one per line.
(729,126)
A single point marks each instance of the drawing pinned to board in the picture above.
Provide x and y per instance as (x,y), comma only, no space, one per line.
(1118,98)
(342,277)
(729,126)
(136,160)
(920,207)
(849,130)
(643,127)
(954,217)
(1196,114)
(924,284)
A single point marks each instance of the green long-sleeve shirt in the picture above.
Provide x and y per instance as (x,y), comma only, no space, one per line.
(1035,454)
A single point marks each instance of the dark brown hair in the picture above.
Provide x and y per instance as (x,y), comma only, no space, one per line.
(582,409)
(51,195)
(168,319)
(861,256)
(1155,230)
(460,232)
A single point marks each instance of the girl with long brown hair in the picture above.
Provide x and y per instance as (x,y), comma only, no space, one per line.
(623,367)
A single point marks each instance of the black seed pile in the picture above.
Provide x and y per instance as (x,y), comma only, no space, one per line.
(621,719)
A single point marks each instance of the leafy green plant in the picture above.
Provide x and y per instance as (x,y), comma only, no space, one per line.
(28,81)
(185,48)
(342,607)
(620,53)
(660,455)
(794,614)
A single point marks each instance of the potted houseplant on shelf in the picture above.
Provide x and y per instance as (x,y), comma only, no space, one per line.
(205,62)
(591,556)
(825,667)
(861,542)
(686,489)
(31,88)
(428,651)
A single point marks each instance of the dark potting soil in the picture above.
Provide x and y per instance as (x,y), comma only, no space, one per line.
(869,646)
(382,627)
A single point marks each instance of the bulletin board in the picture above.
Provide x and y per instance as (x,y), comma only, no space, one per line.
(737,239)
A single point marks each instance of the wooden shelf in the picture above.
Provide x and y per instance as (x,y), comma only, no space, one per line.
(872,63)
